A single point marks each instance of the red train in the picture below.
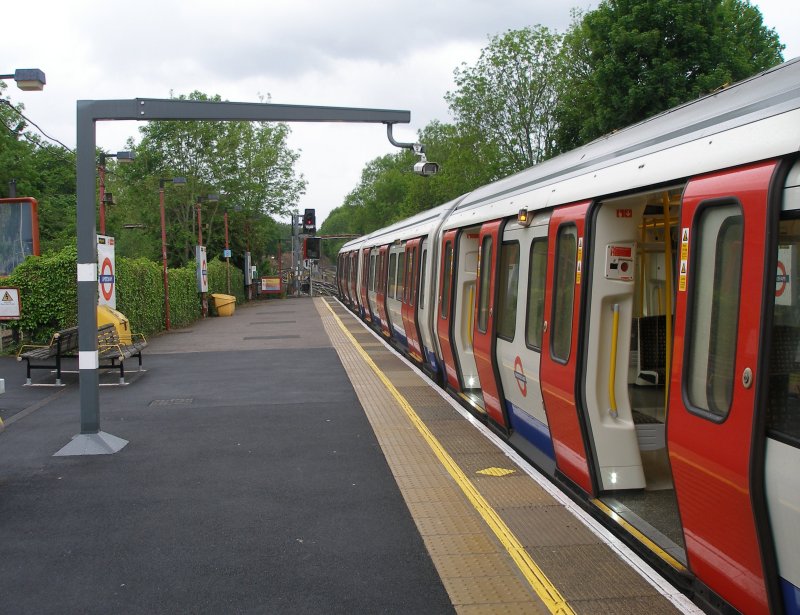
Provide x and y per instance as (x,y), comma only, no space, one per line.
(616,314)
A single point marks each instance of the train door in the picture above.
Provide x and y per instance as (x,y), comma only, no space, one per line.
(484,322)
(394,291)
(559,371)
(520,317)
(410,294)
(716,378)
(464,313)
(365,284)
(444,314)
(352,272)
(424,307)
(372,285)
(380,291)
(628,340)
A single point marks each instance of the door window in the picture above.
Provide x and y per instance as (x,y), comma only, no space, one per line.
(537,277)
(564,292)
(714,313)
(509,287)
(448,270)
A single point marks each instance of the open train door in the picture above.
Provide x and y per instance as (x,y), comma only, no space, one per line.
(716,382)
(410,295)
(444,319)
(484,340)
(559,363)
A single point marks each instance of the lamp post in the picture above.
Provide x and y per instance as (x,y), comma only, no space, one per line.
(101,172)
(28,79)
(227,255)
(178,181)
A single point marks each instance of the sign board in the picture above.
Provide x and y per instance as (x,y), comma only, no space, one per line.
(19,232)
(106,272)
(226,253)
(10,307)
(248,273)
(202,269)
(783,279)
(271,285)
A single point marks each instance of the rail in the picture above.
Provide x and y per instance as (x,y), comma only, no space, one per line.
(612,365)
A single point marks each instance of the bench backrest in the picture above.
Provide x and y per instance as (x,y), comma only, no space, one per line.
(107,335)
(66,341)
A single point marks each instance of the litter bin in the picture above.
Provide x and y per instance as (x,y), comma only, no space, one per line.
(224,304)
(106,315)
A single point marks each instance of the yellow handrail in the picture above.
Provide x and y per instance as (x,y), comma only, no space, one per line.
(612,366)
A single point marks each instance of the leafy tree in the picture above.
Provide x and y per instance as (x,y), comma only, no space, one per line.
(508,98)
(249,163)
(631,59)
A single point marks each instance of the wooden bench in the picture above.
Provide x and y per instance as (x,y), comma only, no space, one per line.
(48,356)
(64,344)
(114,351)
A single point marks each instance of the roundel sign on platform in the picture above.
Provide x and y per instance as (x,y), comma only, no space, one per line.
(106,274)
(202,269)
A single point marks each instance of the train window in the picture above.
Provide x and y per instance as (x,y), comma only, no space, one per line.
(446,275)
(564,292)
(392,274)
(714,313)
(537,276)
(783,407)
(373,259)
(422,280)
(401,270)
(410,277)
(485,258)
(509,287)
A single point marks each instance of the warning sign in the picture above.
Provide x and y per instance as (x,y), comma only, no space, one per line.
(682,277)
(106,268)
(685,244)
(10,308)
(580,260)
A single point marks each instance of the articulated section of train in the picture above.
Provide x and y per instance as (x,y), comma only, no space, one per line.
(626,315)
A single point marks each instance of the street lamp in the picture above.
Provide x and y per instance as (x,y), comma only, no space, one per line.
(28,79)
(101,171)
(178,181)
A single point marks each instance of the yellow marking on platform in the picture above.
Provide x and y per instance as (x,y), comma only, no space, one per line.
(639,536)
(534,575)
(495,472)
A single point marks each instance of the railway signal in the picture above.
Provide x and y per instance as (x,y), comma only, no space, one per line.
(310,221)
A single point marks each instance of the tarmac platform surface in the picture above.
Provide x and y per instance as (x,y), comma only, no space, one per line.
(284,460)
(252,483)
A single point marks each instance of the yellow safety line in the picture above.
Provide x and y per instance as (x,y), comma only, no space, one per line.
(543,587)
(639,536)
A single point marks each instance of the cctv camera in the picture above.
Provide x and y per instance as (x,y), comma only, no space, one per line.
(426,168)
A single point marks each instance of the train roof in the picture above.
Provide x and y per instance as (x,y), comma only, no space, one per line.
(720,130)
(769,94)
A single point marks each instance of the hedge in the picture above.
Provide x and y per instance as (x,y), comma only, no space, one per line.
(48,293)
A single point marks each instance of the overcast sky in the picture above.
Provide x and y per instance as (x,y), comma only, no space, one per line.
(353,53)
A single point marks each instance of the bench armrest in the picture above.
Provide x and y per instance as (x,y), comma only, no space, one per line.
(31,347)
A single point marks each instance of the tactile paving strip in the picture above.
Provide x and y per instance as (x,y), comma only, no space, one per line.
(457,537)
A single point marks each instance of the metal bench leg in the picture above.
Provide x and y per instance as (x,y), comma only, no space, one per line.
(122,372)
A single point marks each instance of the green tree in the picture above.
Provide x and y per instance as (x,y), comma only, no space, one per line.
(630,59)
(508,98)
(248,163)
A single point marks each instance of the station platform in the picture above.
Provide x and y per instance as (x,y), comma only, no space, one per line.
(284,460)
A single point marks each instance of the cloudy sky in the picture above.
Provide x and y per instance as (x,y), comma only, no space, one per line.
(353,53)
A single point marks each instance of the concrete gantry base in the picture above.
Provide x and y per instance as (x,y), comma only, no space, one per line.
(100,443)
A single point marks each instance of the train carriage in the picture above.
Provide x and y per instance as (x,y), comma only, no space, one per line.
(615,313)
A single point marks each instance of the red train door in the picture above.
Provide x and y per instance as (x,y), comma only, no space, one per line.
(483,335)
(409,308)
(365,284)
(560,342)
(380,290)
(715,377)
(444,316)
